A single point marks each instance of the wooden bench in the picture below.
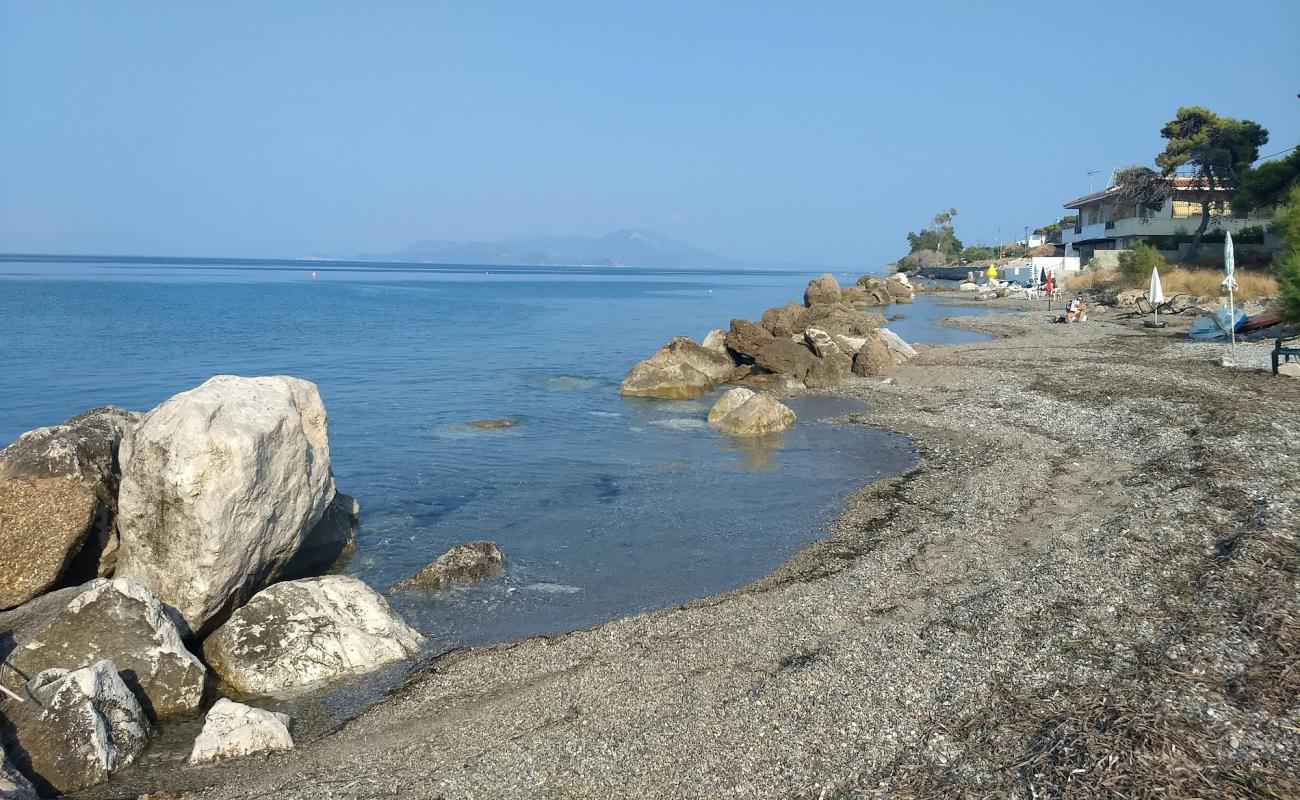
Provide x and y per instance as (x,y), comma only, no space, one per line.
(1283,352)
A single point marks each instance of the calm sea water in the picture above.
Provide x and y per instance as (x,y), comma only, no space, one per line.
(604,506)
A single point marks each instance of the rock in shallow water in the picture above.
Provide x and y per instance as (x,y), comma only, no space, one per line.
(121,621)
(464,563)
(220,485)
(43,524)
(757,415)
(330,543)
(76,728)
(730,400)
(669,382)
(298,634)
(680,369)
(233,729)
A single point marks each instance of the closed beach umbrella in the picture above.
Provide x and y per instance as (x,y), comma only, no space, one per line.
(1229,262)
(1230,283)
(1156,293)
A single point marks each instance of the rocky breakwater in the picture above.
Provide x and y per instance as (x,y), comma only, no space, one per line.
(146,566)
(815,344)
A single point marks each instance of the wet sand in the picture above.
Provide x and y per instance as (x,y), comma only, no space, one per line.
(1101,519)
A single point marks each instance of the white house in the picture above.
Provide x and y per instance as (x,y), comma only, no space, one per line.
(1104,223)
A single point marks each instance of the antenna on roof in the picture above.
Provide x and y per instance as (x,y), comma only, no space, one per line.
(1092,172)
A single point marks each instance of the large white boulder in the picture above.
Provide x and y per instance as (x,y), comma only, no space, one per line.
(298,634)
(117,620)
(233,729)
(757,415)
(220,485)
(76,728)
(730,400)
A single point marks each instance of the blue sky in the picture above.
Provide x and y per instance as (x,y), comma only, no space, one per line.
(802,132)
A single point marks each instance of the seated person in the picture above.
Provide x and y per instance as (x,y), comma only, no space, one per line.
(1077,312)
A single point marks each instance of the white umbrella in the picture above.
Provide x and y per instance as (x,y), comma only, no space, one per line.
(1156,294)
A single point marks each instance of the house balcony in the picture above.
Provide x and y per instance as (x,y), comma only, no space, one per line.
(1163,226)
(1085,233)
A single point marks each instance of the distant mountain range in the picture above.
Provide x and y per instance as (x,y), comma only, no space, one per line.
(628,248)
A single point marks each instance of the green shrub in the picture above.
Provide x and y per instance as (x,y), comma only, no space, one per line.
(1287,225)
(1136,264)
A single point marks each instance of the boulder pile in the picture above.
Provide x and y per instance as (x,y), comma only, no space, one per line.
(832,335)
(148,559)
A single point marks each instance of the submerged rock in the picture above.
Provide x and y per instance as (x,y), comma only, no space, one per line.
(84,449)
(297,634)
(493,424)
(232,730)
(464,563)
(729,402)
(43,523)
(220,485)
(120,621)
(76,728)
(822,289)
(329,544)
(757,415)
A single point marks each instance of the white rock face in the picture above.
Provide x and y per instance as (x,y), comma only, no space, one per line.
(715,340)
(78,728)
(821,342)
(297,634)
(220,485)
(967,286)
(901,277)
(121,621)
(758,415)
(849,345)
(730,400)
(233,729)
(901,350)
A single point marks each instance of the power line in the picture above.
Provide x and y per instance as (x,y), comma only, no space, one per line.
(1278,153)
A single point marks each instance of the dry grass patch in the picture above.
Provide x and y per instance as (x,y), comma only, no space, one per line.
(1179,280)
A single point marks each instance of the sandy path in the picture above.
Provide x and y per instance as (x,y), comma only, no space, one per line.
(1076,482)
